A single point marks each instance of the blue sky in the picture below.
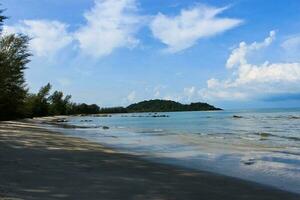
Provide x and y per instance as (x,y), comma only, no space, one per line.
(233,54)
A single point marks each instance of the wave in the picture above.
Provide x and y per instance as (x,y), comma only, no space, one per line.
(266,135)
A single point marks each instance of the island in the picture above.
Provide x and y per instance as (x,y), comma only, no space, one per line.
(158,105)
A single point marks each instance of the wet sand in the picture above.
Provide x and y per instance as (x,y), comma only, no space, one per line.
(36,164)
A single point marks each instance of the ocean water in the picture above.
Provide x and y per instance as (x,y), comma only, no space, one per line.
(257,145)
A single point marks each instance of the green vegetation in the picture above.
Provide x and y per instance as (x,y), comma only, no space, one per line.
(83,109)
(2,18)
(113,110)
(44,104)
(160,106)
(14,56)
(168,106)
(37,104)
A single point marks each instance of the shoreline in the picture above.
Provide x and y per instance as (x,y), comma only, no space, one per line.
(40,164)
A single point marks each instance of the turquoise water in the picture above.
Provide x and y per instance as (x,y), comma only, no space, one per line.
(256,145)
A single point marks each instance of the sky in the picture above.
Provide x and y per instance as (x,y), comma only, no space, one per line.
(229,53)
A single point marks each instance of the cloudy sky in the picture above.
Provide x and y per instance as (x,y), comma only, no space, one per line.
(230,53)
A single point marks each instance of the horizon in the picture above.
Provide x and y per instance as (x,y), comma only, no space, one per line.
(222,109)
(241,54)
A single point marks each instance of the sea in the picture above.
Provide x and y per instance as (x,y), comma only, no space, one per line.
(261,145)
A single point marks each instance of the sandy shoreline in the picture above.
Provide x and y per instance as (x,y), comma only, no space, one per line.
(39,164)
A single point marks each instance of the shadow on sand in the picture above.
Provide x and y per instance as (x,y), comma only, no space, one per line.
(36,164)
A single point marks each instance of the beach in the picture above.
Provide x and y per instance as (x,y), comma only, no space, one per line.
(255,145)
(36,163)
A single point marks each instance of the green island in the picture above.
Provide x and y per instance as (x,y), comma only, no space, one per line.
(158,105)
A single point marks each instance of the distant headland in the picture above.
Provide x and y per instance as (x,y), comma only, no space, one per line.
(158,105)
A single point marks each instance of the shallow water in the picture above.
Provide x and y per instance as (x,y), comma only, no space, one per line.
(256,145)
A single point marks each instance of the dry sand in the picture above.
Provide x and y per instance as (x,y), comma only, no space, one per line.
(37,164)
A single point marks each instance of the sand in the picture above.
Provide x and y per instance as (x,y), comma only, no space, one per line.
(36,164)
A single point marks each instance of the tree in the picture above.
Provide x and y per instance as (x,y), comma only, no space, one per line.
(58,103)
(41,103)
(38,104)
(2,18)
(14,56)
(113,110)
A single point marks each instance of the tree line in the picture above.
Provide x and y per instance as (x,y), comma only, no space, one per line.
(44,104)
(15,99)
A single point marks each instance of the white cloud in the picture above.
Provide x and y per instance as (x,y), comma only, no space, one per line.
(157,94)
(252,81)
(131,96)
(189,92)
(177,98)
(292,43)
(111,24)
(48,37)
(238,55)
(183,31)
(291,47)
(186,95)
(159,90)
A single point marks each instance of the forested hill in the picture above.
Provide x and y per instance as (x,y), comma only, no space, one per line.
(168,106)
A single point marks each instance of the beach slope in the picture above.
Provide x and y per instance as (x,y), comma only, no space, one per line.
(36,164)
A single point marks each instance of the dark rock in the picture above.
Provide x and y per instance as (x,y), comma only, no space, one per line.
(249,162)
(294,117)
(104,115)
(237,116)
(86,120)
(160,116)
(265,134)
